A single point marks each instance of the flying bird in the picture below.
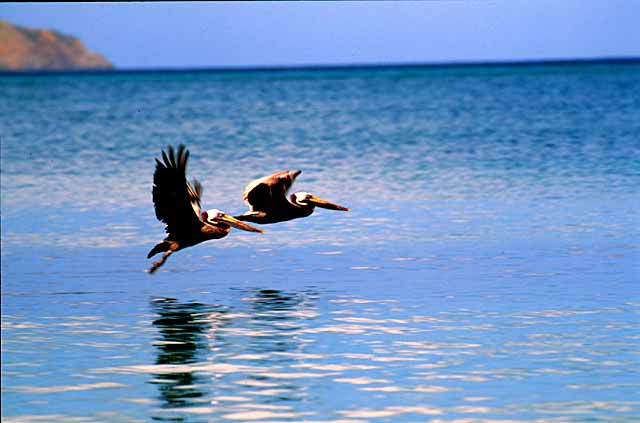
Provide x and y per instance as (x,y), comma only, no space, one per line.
(268,202)
(177,205)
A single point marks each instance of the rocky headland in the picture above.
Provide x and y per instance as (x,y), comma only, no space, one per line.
(42,49)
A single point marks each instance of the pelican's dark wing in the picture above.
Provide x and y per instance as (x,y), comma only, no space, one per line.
(177,203)
(270,192)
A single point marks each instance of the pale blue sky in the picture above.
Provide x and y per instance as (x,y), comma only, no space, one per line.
(201,34)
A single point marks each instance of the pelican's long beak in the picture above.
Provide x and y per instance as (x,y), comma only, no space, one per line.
(232,221)
(319,202)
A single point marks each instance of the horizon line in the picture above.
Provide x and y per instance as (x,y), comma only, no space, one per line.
(328,66)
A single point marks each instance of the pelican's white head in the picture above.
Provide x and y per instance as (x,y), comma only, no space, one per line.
(212,215)
(301,198)
(304,199)
(221,219)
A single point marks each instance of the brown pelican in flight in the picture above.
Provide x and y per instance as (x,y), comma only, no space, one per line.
(177,204)
(268,202)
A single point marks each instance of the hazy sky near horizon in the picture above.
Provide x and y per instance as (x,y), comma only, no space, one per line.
(218,34)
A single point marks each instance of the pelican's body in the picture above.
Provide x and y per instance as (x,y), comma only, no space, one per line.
(268,202)
(177,204)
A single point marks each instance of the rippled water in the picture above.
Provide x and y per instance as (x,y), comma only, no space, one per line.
(488,270)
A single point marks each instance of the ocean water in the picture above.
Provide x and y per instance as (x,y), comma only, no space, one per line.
(488,270)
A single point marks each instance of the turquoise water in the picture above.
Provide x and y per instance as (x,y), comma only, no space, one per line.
(487,271)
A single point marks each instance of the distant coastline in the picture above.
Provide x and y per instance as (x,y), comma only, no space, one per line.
(25,49)
(332,67)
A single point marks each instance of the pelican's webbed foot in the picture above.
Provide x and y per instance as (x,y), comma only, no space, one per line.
(157,264)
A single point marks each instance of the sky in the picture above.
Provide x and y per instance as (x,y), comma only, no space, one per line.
(230,34)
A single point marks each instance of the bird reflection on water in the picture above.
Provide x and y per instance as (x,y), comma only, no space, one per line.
(183,329)
(196,333)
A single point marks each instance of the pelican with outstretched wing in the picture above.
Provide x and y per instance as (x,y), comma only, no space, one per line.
(268,202)
(177,205)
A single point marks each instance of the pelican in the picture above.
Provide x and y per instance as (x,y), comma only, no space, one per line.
(177,205)
(268,202)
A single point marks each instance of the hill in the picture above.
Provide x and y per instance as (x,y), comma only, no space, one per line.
(41,49)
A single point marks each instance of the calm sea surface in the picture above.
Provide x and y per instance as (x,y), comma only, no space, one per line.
(489,269)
